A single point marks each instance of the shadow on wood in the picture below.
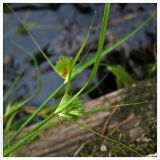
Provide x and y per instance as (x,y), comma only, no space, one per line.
(136,122)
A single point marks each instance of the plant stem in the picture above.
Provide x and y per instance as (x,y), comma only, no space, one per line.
(108,50)
(110,107)
(105,137)
(12,86)
(97,61)
(31,134)
(36,112)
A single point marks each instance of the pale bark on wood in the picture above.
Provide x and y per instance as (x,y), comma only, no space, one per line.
(65,138)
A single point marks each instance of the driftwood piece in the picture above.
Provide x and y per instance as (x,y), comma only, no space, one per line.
(66,138)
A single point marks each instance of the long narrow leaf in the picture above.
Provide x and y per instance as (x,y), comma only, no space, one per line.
(122,76)
(106,138)
(34,114)
(6,95)
(108,50)
(104,24)
(77,56)
(97,61)
(55,92)
(28,136)
(102,108)
(18,105)
(33,38)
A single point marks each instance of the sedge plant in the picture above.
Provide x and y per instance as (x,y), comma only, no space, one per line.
(71,108)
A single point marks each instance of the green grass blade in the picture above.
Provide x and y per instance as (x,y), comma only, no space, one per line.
(18,78)
(77,56)
(107,7)
(13,111)
(30,135)
(97,61)
(52,95)
(122,76)
(108,50)
(8,125)
(102,108)
(152,70)
(38,74)
(41,126)
(95,86)
(105,137)
(33,38)
(35,113)
(101,42)
(18,105)
(83,58)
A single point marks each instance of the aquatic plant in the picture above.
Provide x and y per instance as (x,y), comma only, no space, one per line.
(70,108)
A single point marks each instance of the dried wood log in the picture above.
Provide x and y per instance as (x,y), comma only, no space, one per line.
(140,127)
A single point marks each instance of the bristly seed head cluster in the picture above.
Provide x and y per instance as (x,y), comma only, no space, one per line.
(63,66)
(73,111)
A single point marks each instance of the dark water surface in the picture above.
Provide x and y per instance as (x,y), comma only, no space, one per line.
(60,29)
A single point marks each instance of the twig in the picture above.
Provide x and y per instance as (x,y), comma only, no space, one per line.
(105,127)
(79,149)
(125,121)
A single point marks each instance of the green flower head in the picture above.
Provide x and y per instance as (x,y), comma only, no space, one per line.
(73,111)
(63,66)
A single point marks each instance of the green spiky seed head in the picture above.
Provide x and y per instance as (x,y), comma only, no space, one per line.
(73,111)
(63,66)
